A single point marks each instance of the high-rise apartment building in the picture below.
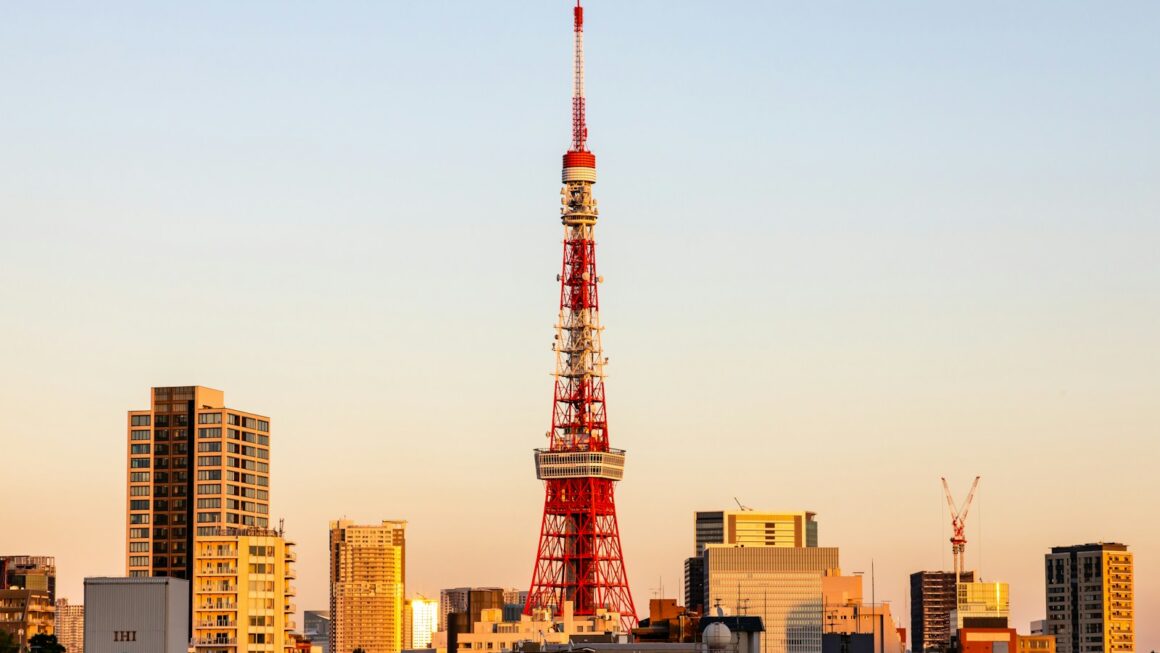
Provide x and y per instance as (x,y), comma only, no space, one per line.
(29,573)
(420,622)
(1090,598)
(752,528)
(780,584)
(367,585)
(932,599)
(194,466)
(242,594)
(70,626)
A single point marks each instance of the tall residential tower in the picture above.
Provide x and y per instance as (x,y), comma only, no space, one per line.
(194,466)
(579,558)
(367,583)
(1090,598)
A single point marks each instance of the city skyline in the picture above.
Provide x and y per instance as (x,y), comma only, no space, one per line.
(984,306)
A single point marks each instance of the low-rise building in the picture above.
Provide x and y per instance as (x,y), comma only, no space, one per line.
(136,615)
(492,633)
(26,613)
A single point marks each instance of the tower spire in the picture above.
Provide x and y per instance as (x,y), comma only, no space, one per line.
(579,119)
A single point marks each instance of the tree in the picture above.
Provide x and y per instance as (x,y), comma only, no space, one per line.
(44,644)
(8,642)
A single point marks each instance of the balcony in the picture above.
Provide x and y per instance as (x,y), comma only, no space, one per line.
(218,571)
(580,464)
(217,588)
(213,623)
(217,605)
(215,641)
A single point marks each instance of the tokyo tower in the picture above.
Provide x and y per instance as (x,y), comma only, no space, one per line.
(579,558)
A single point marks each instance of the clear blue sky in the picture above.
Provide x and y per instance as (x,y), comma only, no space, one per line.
(849,248)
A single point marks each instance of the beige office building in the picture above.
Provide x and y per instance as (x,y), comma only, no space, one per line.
(367,586)
(780,584)
(242,592)
(194,466)
(70,626)
(753,528)
(420,622)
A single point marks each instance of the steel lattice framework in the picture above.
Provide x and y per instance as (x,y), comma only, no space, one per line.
(579,558)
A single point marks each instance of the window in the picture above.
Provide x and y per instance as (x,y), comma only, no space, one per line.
(209,461)
(139,435)
(139,420)
(139,504)
(209,503)
(139,449)
(264,454)
(209,446)
(138,532)
(138,519)
(209,418)
(138,561)
(209,475)
(138,477)
(208,517)
(139,463)
(139,491)
(264,440)
(249,422)
(161,434)
(233,419)
(215,432)
(214,488)
(139,547)
(162,420)
(263,425)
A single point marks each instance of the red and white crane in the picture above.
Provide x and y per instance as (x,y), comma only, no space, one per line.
(959,525)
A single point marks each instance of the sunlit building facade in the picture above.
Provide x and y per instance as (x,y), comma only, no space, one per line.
(1091,598)
(981,602)
(782,585)
(242,592)
(26,613)
(193,466)
(421,621)
(752,528)
(367,585)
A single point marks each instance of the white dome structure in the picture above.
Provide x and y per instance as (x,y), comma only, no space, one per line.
(717,636)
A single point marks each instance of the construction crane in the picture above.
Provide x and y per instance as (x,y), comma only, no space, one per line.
(959,525)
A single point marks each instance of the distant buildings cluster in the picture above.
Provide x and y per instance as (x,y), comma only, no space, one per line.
(206,573)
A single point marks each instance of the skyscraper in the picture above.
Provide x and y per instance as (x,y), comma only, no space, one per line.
(367,586)
(422,621)
(782,585)
(194,466)
(932,599)
(1090,598)
(744,528)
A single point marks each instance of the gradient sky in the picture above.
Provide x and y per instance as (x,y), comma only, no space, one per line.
(848,248)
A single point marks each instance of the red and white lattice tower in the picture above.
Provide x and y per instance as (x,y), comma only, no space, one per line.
(579,558)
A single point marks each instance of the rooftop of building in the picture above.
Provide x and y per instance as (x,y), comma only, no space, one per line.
(735,623)
(133,580)
(1093,546)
